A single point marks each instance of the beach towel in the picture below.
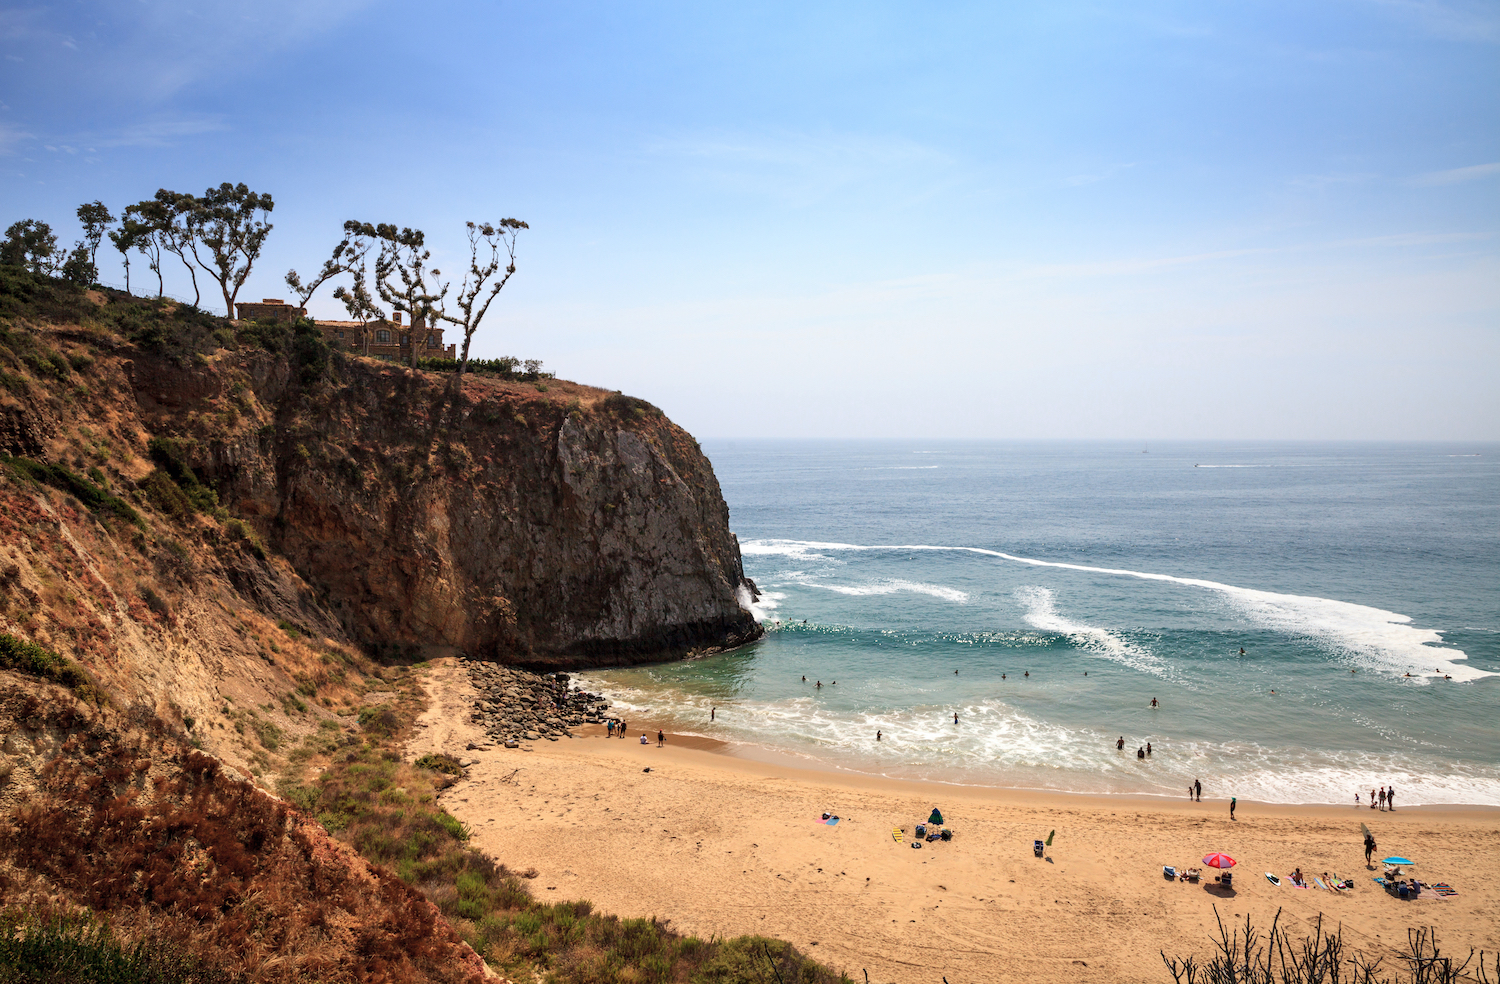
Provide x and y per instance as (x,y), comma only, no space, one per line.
(896,834)
(830,821)
(1319,883)
(1444,889)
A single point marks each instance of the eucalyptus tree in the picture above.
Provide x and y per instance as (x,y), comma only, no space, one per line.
(174,219)
(145,220)
(95,219)
(402,277)
(31,243)
(348,255)
(230,223)
(478,290)
(360,304)
(126,238)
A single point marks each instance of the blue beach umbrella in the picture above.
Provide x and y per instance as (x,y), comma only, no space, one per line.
(1396,861)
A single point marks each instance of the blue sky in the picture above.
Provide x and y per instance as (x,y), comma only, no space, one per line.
(1050,220)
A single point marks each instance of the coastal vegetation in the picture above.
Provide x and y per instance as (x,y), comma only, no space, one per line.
(365,793)
(1244,956)
(223,231)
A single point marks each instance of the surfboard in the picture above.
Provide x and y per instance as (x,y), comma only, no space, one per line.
(1273,879)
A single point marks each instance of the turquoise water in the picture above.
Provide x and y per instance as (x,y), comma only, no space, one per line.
(1113,577)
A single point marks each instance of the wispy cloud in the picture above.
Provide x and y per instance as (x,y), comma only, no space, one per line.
(1458,174)
(153,50)
(159,132)
(11,138)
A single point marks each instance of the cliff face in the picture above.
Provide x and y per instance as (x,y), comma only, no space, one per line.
(225,522)
(550,524)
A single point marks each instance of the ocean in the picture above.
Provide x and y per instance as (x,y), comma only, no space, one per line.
(1047,593)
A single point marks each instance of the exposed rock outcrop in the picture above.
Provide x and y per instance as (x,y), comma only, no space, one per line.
(555,525)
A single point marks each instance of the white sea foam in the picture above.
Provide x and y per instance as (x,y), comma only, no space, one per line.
(761,607)
(1041,613)
(1371,637)
(1233,466)
(893,586)
(997,744)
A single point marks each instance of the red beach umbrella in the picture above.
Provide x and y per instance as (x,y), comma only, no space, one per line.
(1219,861)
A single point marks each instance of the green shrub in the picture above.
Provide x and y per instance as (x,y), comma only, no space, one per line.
(505,367)
(63,950)
(80,488)
(441,763)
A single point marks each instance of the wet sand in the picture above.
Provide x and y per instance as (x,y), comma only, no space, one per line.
(722,843)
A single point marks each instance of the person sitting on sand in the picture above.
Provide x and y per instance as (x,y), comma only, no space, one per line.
(645,740)
(1297,878)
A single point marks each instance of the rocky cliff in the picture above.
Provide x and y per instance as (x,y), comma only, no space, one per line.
(546,523)
(226,520)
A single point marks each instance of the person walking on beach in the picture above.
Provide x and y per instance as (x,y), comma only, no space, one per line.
(1190,794)
(1232,802)
(1198,789)
(1369,848)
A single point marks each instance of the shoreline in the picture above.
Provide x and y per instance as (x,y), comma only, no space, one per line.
(780,758)
(724,844)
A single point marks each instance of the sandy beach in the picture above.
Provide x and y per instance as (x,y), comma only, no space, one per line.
(724,844)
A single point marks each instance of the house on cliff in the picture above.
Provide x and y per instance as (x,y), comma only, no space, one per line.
(383,339)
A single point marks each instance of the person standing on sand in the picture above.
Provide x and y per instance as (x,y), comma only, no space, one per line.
(1198,788)
(1372,799)
(1382,799)
(1232,802)
(1190,794)
(623,726)
(609,728)
(1390,797)
(660,738)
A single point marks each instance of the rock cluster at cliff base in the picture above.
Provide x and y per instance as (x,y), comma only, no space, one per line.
(514,704)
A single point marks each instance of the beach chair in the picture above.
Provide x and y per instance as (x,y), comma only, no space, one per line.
(1226,880)
(1037,847)
(1168,872)
(1193,874)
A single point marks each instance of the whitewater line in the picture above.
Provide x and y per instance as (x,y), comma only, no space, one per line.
(1360,629)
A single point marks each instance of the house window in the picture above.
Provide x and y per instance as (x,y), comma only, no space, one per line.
(341,334)
(405,339)
(383,336)
(432,341)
